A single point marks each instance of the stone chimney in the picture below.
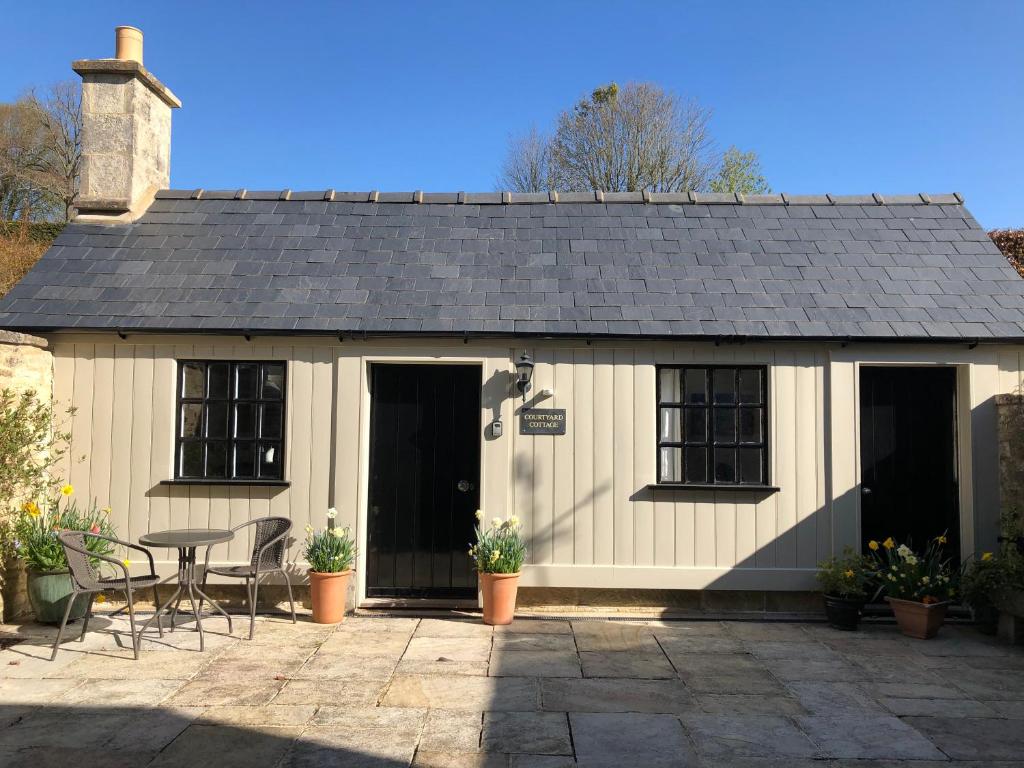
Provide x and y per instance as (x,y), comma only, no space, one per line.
(126,133)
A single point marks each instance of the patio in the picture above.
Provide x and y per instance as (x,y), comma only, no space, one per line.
(538,694)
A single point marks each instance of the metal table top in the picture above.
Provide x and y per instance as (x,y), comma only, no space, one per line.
(185,538)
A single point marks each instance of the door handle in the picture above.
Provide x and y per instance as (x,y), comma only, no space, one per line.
(464,485)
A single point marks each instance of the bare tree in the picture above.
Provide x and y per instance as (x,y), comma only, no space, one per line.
(639,137)
(41,154)
(527,166)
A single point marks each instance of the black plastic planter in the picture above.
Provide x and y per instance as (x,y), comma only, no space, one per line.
(843,613)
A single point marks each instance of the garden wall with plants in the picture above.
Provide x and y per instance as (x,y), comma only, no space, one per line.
(25,364)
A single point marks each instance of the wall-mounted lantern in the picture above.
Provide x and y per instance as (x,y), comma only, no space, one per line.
(524,373)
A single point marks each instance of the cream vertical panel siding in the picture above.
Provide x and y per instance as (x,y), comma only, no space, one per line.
(123,436)
(584,498)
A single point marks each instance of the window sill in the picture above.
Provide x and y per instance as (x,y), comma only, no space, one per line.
(712,487)
(203,481)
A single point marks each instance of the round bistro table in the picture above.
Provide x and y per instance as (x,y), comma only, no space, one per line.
(186,540)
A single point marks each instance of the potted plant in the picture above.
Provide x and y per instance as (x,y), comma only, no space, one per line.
(36,543)
(498,555)
(330,554)
(846,582)
(917,587)
(993,584)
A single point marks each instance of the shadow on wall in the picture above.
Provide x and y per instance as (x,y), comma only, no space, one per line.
(51,735)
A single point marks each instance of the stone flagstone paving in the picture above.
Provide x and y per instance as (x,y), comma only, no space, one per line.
(438,692)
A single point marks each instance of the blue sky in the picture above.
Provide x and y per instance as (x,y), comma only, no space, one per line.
(837,97)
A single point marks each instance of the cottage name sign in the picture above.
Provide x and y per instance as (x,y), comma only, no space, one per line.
(542,421)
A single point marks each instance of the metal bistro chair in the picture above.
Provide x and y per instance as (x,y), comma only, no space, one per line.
(267,557)
(85,579)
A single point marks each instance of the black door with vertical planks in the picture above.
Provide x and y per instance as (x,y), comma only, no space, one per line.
(908,455)
(424,480)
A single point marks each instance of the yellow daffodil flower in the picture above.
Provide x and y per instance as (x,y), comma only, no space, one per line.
(872,545)
(941,539)
(513,521)
(106,510)
(889,543)
(986,555)
(496,522)
(848,574)
(31,508)
(67,490)
(479,514)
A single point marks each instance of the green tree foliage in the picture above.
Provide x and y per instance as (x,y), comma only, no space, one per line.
(740,172)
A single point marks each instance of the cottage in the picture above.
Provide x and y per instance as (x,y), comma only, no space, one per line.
(696,392)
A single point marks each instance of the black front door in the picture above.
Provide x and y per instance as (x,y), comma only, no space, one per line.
(908,455)
(424,480)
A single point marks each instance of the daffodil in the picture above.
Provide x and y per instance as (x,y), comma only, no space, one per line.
(873,545)
(309,528)
(495,555)
(941,539)
(332,513)
(479,514)
(31,508)
(106,510)
(336,533)
(513,521)
(496,522)
(848,574)
(889,543)
(986,555)
(67,490)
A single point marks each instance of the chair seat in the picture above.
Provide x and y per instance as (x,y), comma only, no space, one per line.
(136,581)
(233,571)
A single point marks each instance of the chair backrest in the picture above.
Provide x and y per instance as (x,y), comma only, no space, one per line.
(82,571)
(267,529)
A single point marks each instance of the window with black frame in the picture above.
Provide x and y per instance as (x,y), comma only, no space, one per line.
(712,425)
(230,422)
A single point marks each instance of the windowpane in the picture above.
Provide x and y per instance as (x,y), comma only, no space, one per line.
(230,420)
(273,381)
(721,425)
(270,460)
(750,465)
(750,386)
(725,465)
(750,425)
(245,420)
(668,381)
(696,385)
(216,459)
(669,463)
(191,459)
(220,378)
(245,459)
(724,385)
(191,420)
(217,419)
(669,429)
(270,423)
(245,381)
(192,380)
(725,425)
(696,460)
(696,425)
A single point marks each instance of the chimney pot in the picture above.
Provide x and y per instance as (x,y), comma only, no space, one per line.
(128,44)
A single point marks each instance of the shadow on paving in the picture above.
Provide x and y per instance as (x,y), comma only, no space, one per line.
(52,736)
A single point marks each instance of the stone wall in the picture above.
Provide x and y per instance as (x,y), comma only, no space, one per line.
(1010,416)
(25,364)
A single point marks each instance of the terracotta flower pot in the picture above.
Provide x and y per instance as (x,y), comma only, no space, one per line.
(920,620)
(328,591)
(499,596)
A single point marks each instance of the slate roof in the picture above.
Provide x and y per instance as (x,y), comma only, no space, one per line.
(590,264)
